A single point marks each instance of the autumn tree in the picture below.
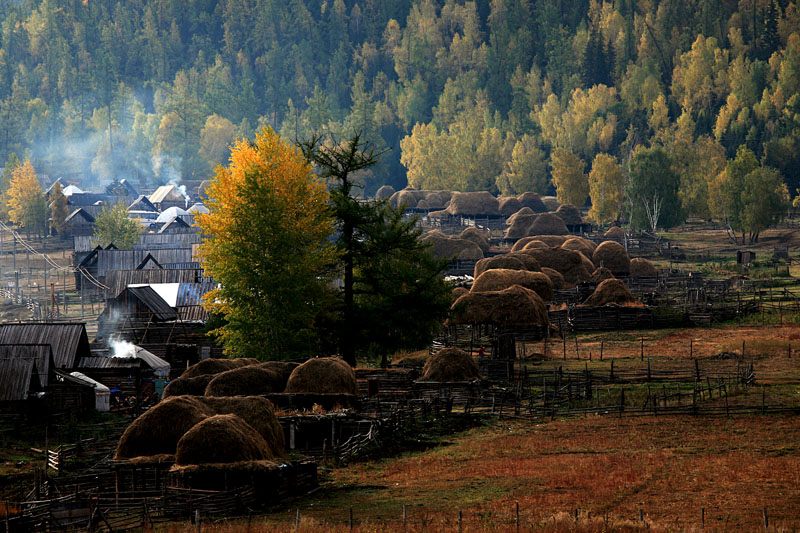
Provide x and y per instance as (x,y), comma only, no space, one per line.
(606,187)
(113,225)
(268,228)
(27,207)
(59,210)
(5,183)
(569,178)
(526,171)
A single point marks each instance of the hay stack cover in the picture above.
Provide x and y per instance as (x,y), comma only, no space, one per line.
(555,277)
(601,274)
(613,256)
(508,206)
(610,291)
(258,412)
(515,306)
(221,439)
(642,268)
(532,200)
(615,233)
(520,226)
(384,192)
(247,381)
(551,203)
(183,386)
(548,224)
(323,375)
(570,214)
(568,262)
(579,244)
(450,364)
(473,203)
(446,247)
(478,237)
(500,279)
(498,261)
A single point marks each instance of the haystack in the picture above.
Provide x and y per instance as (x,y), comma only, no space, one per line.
(255,410)
(210,366)
(502,278)
(323,375)
(610,291)
(552,240)
(527,260)
(515,306)
(159,429)
(384,192)
(601,274)
(520,244)
(473,203)
(555,277)
(508,206)
(434,199)
(548,224)
(551,203)
(519,213)
(615,233)
(221,439)
(182,386)
(520,227)
(283,368)
(498,261)
(408,197)
(446,247)
(450,364)
(570,214)
(587,263)
(458,292)
(532,200)
(478,237)
(579,244)
(568,262)
(246,381)
(613,256)
(642,268)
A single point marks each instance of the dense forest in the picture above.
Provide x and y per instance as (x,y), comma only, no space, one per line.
(499,95)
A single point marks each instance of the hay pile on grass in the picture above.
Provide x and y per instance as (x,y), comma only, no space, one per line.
(520,226)
(447,247)
(500,279)
(570,214)
(555,277)
(255,410)
(548,224)
(611,291)
(498,261)
(283,368)
(601,274)
(613,256)
(579,244)
(615,233)
(323,375)
(221,439)
(642,268)
(182,386)
(450,364)
(473,203)
(515,306)
(568,263)
(247,381)
(158,430)
(508,206)
(478,237)
(532,200)
(527,260)
(384,192)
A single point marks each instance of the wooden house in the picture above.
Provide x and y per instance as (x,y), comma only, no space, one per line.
(139,374)
(68,341)
(79,222)
(177,225)
(168,196)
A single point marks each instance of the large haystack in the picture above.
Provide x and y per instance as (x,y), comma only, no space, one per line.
(458,292)
(436,199)
(159,429)
(555,277)
(613,256)
(478,237)
(610,291)
(526,259)
(283,368)
(221,439)
(500,279)
(446,247)
(246,381)
(570,214)
(508,206)
(615,233)
(498,261)
(532,200)
(579,244)
(255,410)
(384,192)
(601,274)
(520,226)
(548,224)
(182,386)
(520,213)
(642,268)
(480,203)
(450,364)
(323,375)
(515,306)
(568,262)
(551,203)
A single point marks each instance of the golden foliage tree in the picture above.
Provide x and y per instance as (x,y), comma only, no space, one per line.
(27,206)
(572,186)
(267,246)
(606,186)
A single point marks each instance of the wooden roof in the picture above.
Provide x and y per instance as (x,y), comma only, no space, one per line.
(16,376)
(118,280)
(41,354)
(68,342)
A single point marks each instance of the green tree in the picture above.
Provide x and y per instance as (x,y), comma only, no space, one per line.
(267,247)
(114,226)
(653,190)
(59,210)
(765,199)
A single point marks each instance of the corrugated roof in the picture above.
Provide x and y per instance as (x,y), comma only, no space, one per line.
(41,354)
(15,379)
(68,342)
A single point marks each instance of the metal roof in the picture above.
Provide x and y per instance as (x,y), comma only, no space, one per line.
(67,341)
(15,379)
(96,384)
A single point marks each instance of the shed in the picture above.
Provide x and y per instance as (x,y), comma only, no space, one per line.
(41,354)
(79,222)
(17,379)
(102,394)
(68,342)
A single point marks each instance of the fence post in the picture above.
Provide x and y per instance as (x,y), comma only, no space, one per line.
(351,519)
(405,517)
(516,515)
(601,349)
(766,519)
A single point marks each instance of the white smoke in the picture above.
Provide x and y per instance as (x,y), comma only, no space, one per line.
(121,348)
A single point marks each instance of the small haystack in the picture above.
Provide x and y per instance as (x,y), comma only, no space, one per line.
(613,256)
(642,268)
(532,200)
(384,192)
(255,410)
(209,366)
(570,214)
(548,224)
(221,439)
(553,240)
(323,375)
(579,244)
(498,261)
(520,226)
(435,199)
(526,259)
(246,381)
(551,203)
(569,263)
(520,244)
(555,277)
(610,291)
(159,429)
(522,212)
(508,206)
(515,306)
(478,237)
(473,204)
(601,274)
(500,279)
(615,233)
(458,292)
(182,386)
(408,197)
(450,364)
(446,247)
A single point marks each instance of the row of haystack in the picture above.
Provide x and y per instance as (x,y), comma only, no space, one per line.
(527,222)
(442,203)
